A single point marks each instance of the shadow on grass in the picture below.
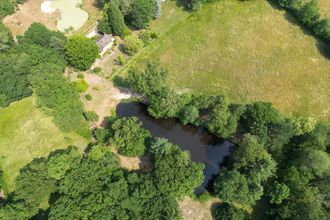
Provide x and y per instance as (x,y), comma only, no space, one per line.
(321,45)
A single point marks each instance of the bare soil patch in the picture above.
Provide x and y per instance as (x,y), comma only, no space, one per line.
(194,210)
(27,14)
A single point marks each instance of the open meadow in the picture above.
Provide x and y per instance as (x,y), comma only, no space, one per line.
(27,133)
(248,51)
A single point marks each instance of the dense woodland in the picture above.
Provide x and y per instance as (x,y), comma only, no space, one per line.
(279,166)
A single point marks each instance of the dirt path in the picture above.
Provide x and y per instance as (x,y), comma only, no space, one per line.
(105,96)
(194,210)
(28,13)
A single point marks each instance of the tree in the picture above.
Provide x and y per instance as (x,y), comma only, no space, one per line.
(116,20)
(233,187)
(129,137)
(309,14)
(142,11)
(6,8)
(189,114)
(61,161)
(6,38)
(149,82)
(174,171)
(132,45)
(322,29)
(221,121)
(34,176)
(251,159)
(226,211)
(39,34)
(302,125)
(315,162)
(278,193)
(96,186)
(81,52)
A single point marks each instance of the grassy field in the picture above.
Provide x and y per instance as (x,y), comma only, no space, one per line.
(248,51)
(325,8)
(26,133)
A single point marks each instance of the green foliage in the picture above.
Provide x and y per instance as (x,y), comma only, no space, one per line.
(129,137)
(142,11)
(302,125)
(61,161)
(149,82)
(226,211)
(323,29)
(309,14)
(57,97)
(278,193)
(315,162)
(189,115)
(80,76)
(132,45)
(91,116)
(175,173)
(88,97)
(80,85)
(33,184)
(39,34)
(6,38)
(17,210)
(221,121)
(81,52)
(116,20)
(97,70)
(7,7)
(148,36)
(252,160)
(234,187)
(91,188)
(102,135)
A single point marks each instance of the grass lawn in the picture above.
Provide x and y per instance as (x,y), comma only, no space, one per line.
(325,8)
(248,51)
(26,133)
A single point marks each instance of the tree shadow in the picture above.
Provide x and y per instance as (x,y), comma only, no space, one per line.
(321,45)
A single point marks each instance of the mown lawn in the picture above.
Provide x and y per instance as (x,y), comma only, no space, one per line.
(26,133)
(249,51)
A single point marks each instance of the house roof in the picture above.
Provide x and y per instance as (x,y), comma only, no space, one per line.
(104,41)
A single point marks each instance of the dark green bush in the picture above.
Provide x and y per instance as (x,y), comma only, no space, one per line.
(91,116)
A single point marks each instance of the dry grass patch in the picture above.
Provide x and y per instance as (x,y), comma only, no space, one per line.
(27,14)
(325,8)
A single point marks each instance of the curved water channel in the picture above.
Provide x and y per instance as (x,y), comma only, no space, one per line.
(203,147)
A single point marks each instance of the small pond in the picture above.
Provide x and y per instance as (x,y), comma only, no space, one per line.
(71,15)
(203,146)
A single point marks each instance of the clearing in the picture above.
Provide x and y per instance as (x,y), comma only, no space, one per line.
(325,8)
(248,51)
(27,133)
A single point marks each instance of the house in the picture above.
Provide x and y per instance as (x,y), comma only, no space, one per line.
(105,42)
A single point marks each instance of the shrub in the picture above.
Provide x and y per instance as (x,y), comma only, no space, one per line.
(80,76)
(91,116)
(132,45)
(309,14)
(147,36)
(6,8)
(226,211)
(120,60)
(129,137)
(81,52)
(80,85)
(97,70)
(88,97)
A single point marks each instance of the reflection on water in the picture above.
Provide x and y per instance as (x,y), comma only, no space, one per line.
(203,146)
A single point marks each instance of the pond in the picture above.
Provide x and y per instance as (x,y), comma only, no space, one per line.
(203,147)
(71,15)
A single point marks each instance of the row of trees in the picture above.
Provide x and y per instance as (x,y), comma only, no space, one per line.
(137,13)
(308,14)
(283,162)
(37,63)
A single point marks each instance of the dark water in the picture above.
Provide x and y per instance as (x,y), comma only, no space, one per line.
(203,146)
